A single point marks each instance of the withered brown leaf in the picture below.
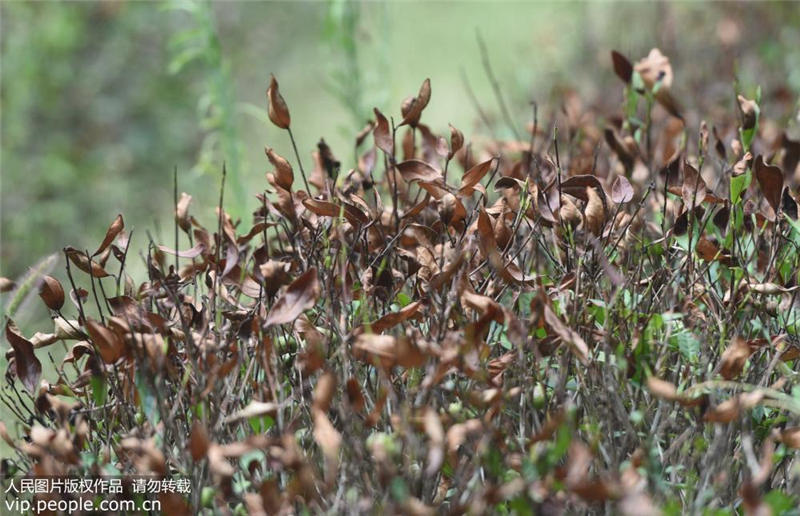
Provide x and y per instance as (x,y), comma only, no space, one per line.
(456,142)
(300,296)
(413,109)
(182,211)
(473,176)
(734,358)
(51,293)
(416,170)
(567,335)
(28,367)
(382,134)
(83,262)
(117,225)
(622,67)
(107,343)
(770,180)
(284,176)
(198,441)
(278,110)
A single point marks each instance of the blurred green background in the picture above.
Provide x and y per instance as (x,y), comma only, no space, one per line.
(101,100)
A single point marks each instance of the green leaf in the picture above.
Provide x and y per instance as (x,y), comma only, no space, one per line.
(739,184)
(99,392)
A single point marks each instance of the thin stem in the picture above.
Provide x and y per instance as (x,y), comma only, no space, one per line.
(299,162)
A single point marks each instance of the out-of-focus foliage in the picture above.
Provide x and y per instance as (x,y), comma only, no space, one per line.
(91,120)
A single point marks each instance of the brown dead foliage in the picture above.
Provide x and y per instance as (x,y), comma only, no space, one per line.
(448,325)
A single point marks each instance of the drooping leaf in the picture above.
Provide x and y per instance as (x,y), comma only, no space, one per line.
(300,295)
(734,358)
(51,293)
(770,180)
(182,211)
(83,262)
(576,186)
(194,252)
(322,208)
(693,190)
(392,319)
(594,213)
(198,441)
(416,170)
(382,134)
(567,335)
(108,343)
(28,367)
(387,351)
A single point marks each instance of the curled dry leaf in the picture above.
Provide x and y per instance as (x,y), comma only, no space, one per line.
(456,142)
(594,213)
(194,252)
(278,111)
(576,186)
(108,343)
(413,109)
(113,230)
(300,296)
(83,262)
(392,319)
(626,155)
(382,134)
(182,212)
(284,176)
(473,177)
(322,208)
(27,366)
(734,358)
(354,395)
(51,293)
(416,170)
(388,351)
